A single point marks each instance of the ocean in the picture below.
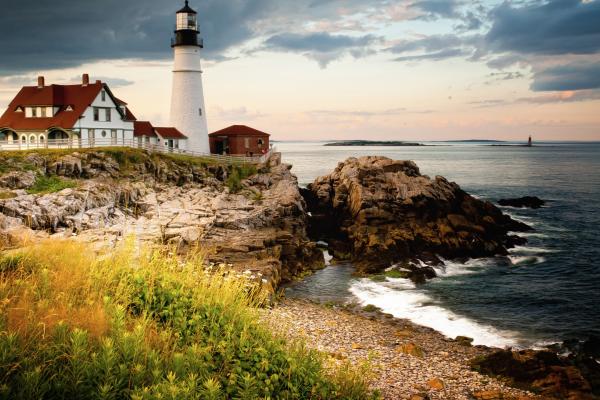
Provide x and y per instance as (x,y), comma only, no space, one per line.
(545,292)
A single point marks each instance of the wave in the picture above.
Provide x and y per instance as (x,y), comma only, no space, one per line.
(454,268)
(402,299)
(531,250)
(526,260)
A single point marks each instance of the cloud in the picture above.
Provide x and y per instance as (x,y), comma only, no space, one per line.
(323,47)
(57,34)
(571,76)
(434,9)
(551,98)
(552,28)
(433,48)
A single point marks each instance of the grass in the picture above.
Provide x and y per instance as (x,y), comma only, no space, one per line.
(141,324)
(50,184)
(237,174)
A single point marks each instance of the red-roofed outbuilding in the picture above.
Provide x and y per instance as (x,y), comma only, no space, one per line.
(239,140)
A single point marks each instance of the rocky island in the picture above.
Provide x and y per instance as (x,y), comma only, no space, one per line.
(390,143)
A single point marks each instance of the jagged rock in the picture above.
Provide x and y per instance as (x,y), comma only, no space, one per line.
(378,211)
(17,179)
(523,202)
(542,371)
(158,199)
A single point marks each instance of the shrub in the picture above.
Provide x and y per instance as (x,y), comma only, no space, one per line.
(50,184)
(238,173)
(145,325)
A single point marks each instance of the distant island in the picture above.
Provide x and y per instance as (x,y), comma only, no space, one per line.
(372,143)
(473,141)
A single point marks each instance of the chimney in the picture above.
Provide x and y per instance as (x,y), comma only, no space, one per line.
(40,82)
(85,80)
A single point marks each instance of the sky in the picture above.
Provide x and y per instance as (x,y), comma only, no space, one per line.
(331,69)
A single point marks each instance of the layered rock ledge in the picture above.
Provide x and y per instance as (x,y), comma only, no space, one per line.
(254,219)
(378,212)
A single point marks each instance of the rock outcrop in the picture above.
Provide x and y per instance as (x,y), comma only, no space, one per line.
(377,212)
(544,372)
(175,200)
(523,202)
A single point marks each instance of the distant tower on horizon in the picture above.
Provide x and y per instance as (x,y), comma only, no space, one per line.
(530,142)
(188,112)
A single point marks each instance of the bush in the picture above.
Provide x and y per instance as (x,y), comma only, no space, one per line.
(238,173)
(145,325)
(50,184)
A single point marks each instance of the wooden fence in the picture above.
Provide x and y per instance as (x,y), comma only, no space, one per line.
(113,142)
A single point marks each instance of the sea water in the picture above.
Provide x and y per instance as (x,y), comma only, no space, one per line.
(544,292)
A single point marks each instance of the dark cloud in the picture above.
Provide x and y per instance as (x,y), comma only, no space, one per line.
(52,34)
(573,76)
(552,28)
(434,9)
(322,47)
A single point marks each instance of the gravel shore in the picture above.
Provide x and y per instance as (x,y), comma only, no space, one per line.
(407,361)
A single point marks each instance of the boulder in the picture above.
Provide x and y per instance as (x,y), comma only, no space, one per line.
(523,202)
(378,212)
(543,372)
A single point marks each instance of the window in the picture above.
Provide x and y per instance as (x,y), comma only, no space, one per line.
(91,134)
(96,114)
(34,113)
(43,112)
(107,113)
(200,111)
(19,109)
(103,133)
(247,143)
(103,95)
(260,143)
(69,108)
(24,139)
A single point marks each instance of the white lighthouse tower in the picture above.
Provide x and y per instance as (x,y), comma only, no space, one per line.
(188,113)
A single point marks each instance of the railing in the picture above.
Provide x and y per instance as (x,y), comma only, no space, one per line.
(131,143)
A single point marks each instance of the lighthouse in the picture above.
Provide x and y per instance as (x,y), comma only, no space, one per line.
(188,113)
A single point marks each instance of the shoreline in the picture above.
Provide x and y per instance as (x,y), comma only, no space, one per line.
(406,360)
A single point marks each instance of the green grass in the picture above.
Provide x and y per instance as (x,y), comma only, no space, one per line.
(140,324)
(237,174)
(394,273)
(50,184)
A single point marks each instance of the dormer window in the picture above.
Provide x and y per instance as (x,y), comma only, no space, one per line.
(103,95)
(69,108)
(19,109)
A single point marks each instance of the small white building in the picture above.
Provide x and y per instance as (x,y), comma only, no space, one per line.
(86,115)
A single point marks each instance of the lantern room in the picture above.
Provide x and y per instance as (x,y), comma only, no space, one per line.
(187,19)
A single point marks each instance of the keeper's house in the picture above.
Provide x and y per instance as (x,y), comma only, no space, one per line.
(86,115)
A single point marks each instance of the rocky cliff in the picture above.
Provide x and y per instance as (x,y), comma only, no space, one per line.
(252,219)
(377,212)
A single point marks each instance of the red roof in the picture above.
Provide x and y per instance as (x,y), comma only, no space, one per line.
(170,133)
(143,128)
(77,96)
(239,130)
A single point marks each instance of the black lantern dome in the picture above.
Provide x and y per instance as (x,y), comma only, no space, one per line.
(186,31)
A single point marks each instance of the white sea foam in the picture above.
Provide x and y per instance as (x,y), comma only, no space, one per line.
(526,260)
(530,250)
(402,299)
(453,268)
